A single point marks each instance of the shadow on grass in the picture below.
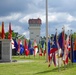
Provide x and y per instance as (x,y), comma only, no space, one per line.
(47,71)
(58,70)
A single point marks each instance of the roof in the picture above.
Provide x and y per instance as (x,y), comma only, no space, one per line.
(34,21)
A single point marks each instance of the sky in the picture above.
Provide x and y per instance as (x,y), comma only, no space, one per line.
(18,12)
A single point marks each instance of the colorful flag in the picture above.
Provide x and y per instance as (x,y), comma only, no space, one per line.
(10,32)
(74,52)
(0,29)
(49,46)
(0,32)
(61,40)
(12,43)
(54,46)
(40,49)
(3,33)
(66,50)
(15,45)
(55,58)
(18,46)
(54,49)
(21,48)
(26,48)
(65,56)
(44,49)
(29,44)
(35,48)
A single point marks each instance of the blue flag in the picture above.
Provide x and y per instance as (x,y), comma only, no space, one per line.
(15,45)
(54,47)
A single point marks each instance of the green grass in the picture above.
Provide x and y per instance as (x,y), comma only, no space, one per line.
(36,66)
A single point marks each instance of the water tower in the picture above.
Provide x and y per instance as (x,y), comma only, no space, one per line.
(34,29)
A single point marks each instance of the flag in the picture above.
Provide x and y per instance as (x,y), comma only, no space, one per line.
(10,32)
(0,32)
(66,50)
(12,43)
(65,56)
(26,48)
(18,46)
(54,46)
(0,29)
(35,48)
(21,48)
(3,33)
(49,58)
(55,58)
(54,49)
(29,44)
(40,49)
(70,48)
(15,45)
(44,49)
(61,40)
(74,52)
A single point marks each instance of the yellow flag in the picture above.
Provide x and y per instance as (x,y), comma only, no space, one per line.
(0,28)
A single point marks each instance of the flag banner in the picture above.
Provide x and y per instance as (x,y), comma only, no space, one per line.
(12,43)
(26,48)
(10,32)
(31,50)
(15,45)
(61,40)
(29,44)
(40,49)
(40,52)
(35,48)
(65,56)
(0,32)
(3,32)
(49,46)
(54,46)
(18,46)
(29,47)
(0,29)
(21,48)
(55,59)
(74,51)
(44,49)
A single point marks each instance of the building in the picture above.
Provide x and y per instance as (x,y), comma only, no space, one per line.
(34,28)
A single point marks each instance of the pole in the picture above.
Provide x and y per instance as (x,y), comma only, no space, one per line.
(70,46)
(46,30)
(58,50)
(64,44)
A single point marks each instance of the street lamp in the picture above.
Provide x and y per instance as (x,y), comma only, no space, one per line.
(46,30)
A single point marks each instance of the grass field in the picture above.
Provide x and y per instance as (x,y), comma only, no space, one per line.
(34,66)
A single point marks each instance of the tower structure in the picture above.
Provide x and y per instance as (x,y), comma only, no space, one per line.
(34,28)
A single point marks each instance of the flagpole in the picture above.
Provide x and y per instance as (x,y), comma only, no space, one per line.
(46,30)
(71,47)
(64,44)
(58,51)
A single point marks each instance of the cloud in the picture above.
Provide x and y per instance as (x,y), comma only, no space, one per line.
(52,17)
(13,16)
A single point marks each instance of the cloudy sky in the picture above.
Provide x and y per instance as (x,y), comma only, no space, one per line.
(18,12)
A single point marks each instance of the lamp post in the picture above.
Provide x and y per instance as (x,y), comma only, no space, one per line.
(46,30)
